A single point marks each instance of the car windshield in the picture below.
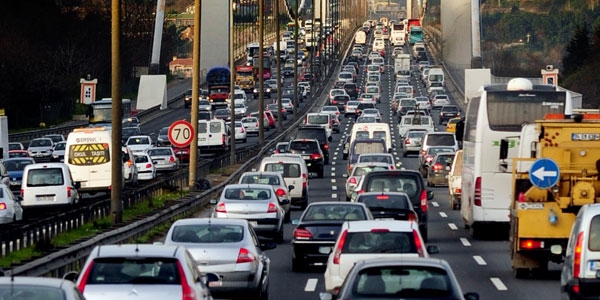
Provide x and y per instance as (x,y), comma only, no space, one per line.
(401,282)
(261,179)
(134,270)
(138,141)
(337,213)
(17,164)
(247,194)
(141,159)
(207,233)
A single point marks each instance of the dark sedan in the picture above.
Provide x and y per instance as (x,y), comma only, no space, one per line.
(318,228)
(389,205)
(223,114)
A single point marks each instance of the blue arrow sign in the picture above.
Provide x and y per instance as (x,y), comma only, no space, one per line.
(544,173)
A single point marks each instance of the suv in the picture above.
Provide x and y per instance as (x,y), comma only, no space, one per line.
(408,181)
(340,101)
(448,112)
(154,271)
(310,151)
(318,133)
(351,90)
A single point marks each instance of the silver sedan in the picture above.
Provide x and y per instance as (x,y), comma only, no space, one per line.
(38,288)
(227,247)
(164,158)
(257,203)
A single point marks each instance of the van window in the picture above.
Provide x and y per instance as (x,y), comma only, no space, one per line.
(202,127)
(379,135)
(318,119)
(89,154)
(362,134)
(215,127)
(45,177)
(287,169)
(441,140)
(594,243)
(368,147)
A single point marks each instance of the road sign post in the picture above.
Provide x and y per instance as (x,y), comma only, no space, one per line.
(544,173)
(181,133)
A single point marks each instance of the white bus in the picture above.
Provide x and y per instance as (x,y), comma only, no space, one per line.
(88,156)
(499,112)
(252,49)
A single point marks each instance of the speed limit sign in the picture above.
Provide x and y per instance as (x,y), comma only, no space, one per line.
(181,133)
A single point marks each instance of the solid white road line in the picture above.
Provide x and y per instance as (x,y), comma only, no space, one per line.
(479,260)
(498,283)
(311,285)
(443,214)
(465,242)
(452,226)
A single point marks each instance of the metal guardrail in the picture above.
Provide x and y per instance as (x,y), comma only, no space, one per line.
(58,263)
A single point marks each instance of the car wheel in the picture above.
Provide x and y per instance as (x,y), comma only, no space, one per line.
(297,265)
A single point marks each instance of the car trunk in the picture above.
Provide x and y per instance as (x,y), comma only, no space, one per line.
(133,291)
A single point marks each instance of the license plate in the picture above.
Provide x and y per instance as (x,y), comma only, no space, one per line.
(253,223)
(45,198)
(324,250)
(305,157)
(585,136)
(215,283)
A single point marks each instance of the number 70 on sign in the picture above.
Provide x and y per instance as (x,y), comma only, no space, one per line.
(181,133)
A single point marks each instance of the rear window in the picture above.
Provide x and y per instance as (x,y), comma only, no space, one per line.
(375,158)
(334,212)
(396,183)
(373,90)
(207,233)
(384,201)
(304,146)
(160,152)
(29,291)
(399,282)
(445,160)
(594,243)
(138,270)
(45,177)
(317,134)
(317,119)
(450,108)
(362,170)
(261,179)
(247,194)
(408,102)
(287,170)
(379,242)
(368,147)
(441,140)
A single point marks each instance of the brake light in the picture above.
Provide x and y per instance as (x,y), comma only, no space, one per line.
(304,180)
(407,141)
(221,208)
(280,192)
(68,193)
(380,230)
(172,159)
(531,244)
(256,123)
(22,193)
(272,208)
(187,292)
(334,101)
(326,147)
(148,166)
(382,197)
(418,243)
(423,152)
(352,180)
(338,249)
(302,234)
(424,201)
(315,156)
(577,258)
(223,139)
(436,167)
(412,217)
(129,163)
(244,256)
(85,277)
(242,130)
(477,193)
(2,206)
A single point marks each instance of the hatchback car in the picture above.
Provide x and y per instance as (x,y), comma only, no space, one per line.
(350,108)
(374,112)
(330,109)
(151,272)
(40,148)
(437,173)
(250,124)
(229,248)
(139,143)
(412,141)
(318,228)
(425,161)
(223,114)
(164,158)
(448,112)
(145,166)
(18,287)
(439,101)
(257,203)
(345,77)
(358,171)
(364,240)
(276,180)
(407,278)
(10,208)
(367,98)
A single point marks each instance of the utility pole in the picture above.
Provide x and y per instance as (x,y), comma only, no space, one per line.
(116,180)
(277,49)
(195,92)
(261,80)
(232,159)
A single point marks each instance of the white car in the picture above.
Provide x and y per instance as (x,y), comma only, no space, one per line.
(145,167)
(240,110)
(380,62)
(40,148)
(204,105)
(335,92)
(372,112)
(164,158)
(423,103)
(345,77)
(375,91)
(139,143)
(10,209)
(362,240)
(288,105)
(250,124)
(359,170)
(439,101)
(240,132)
(330,109)
(373,55)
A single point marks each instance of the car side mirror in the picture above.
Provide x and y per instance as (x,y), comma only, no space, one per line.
(429,195)
(471,296)
(290,188)
(71,276)
(433,249)
(268,245)
(212,279)
(212,201)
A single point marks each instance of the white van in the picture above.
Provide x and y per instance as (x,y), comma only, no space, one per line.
(372,131)
(46,184)
(88,156)
(321,119)
(213,134)
(294,171)
(378,45)
(360,38)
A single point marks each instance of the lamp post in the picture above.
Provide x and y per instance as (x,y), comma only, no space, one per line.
(296,27)
(116,208)
(277,58)
(232,159)
(261,108)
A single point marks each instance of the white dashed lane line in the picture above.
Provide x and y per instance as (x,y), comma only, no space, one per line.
(452,226)
(480,261)
(498,284)
(311,285)
(465,242)
(443,214)
(435,204)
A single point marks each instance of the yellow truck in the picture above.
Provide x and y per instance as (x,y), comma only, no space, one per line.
(555,172)
(244,77)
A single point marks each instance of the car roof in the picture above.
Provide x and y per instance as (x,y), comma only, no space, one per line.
(405,261)
(228,221)
(35,281)
(247,185)
(141,250)
(392,225)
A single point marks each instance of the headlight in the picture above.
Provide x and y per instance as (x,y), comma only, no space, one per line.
(268,90)
(255,91)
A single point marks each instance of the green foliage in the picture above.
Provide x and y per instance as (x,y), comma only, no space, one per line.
(81,109)
(577,50)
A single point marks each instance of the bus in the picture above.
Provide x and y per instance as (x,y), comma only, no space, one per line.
(100,112)
(499,112)
(291,26)
(218,81)
(266,67)
(251,50)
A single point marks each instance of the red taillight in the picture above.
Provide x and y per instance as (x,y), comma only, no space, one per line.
(418,243)
(334,101)
(423,152)
(148,166)
(407,141)
(272,208)
(22,193)
(280,192)
(221,208)
(338,250)
(531,244)
(129,163)
(380,230)
(315,156)
(187,292)
(172,159)
(302,234)
(477,193)
(424,201)
(2,206)
(85,277)
(68,193)
(412,217)
(428,158)
(352,180)
(436,167)
(304,180)
(244,256)
(577,256)
(242,130)
(326,146)
(256,124)
(382,197)
(223,139)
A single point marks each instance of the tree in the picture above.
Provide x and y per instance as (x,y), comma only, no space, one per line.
(577,50)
